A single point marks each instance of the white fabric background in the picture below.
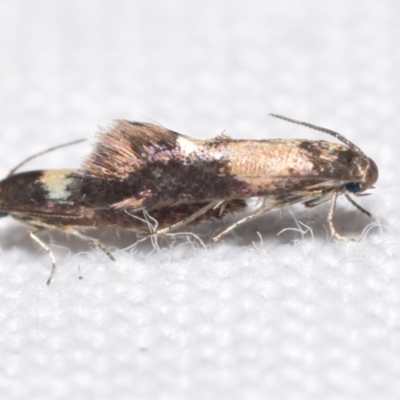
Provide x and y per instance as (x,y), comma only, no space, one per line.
(258,316)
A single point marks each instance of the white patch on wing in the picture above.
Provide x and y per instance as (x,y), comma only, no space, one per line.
(56,183)
(187,146)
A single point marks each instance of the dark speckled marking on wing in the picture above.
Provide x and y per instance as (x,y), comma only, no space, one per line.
(136,166)
(337,164)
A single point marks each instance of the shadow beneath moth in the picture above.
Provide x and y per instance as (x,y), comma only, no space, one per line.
(178,180)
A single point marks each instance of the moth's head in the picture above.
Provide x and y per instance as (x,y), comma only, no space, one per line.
(370,176)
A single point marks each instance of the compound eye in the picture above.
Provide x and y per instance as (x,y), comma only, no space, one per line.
(354,187)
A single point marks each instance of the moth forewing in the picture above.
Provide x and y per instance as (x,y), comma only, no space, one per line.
(152,167)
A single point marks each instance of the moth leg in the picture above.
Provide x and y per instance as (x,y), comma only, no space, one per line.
(45,247)
(264,208)
(222,205)
(91,240)
(187,220)
(331,225)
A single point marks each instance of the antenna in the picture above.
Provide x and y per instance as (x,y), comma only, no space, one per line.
(328,131)
(12,172)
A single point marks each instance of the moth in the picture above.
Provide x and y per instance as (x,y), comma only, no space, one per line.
(180,180)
